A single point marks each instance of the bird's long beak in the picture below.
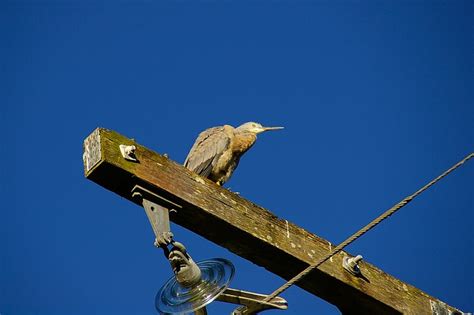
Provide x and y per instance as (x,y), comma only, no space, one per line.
(272,128)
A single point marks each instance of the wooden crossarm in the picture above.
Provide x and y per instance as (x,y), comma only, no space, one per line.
(251,231)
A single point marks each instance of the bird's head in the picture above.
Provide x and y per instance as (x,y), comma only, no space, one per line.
(255,128)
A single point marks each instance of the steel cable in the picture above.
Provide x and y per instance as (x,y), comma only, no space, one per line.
(364,230)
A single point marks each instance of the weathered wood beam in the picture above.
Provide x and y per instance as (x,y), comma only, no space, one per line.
(250,231)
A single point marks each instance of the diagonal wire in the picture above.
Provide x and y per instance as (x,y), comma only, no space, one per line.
(364,230)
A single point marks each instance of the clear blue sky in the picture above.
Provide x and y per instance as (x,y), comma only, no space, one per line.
(376,97)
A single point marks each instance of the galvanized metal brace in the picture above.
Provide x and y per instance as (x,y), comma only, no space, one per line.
(156,208)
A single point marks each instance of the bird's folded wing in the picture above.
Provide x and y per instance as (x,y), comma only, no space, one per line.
(207,149)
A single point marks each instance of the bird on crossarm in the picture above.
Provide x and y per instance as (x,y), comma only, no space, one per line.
(217,151)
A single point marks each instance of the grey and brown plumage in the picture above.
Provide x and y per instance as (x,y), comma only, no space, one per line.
(217,151)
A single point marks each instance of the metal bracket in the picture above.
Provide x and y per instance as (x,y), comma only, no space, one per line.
(253,303)
(157,214)
(128,152)
(351,264)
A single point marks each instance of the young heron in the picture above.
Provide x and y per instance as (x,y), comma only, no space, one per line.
(217,151)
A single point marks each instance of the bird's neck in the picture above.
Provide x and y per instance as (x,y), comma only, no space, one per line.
(244,141)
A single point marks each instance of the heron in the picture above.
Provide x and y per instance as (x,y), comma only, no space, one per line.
(217,150)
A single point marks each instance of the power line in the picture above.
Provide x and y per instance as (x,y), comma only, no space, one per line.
(365,229)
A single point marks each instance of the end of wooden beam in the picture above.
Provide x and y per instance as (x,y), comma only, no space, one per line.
(105,165)
(92,151)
